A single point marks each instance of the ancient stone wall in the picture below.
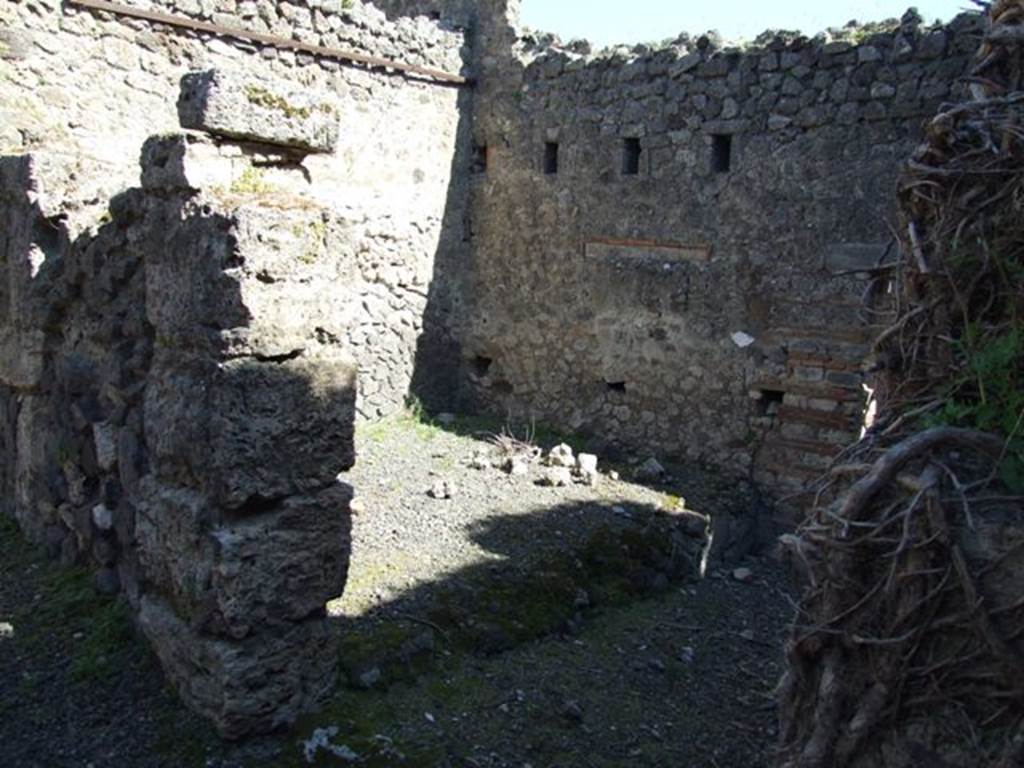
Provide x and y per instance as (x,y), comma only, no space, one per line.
(664,247)
(179,346)
(461,13)
(670,246)
(90,89)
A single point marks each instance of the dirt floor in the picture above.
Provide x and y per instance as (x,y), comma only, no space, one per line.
(508,625)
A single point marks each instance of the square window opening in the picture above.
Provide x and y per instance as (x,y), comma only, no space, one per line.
(721,153)
(551,158)
(770,402)
(631,157)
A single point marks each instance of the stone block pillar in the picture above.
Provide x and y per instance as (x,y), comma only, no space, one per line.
(242,525)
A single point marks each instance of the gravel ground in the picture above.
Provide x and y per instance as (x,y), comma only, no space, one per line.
(681,678)
(403,539)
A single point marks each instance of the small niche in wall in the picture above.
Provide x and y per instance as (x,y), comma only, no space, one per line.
(481,366)
(616,386)
(479,158)
(551,158)
(631,157)
(770,402)
(721,153)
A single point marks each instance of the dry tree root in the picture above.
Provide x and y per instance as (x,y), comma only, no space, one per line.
(908,648)
(913,608)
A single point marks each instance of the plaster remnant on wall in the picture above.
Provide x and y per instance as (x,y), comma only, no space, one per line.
(742,340)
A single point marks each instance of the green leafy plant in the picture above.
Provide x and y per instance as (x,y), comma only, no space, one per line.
(989,394)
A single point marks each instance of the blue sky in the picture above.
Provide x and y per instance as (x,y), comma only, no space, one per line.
(632,21)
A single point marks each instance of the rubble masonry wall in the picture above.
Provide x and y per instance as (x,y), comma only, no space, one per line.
(634,210)
(179,347)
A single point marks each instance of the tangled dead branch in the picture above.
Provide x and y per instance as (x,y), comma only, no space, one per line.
(909,646)
(512,448)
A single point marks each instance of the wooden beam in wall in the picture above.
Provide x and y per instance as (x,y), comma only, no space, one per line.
(610,247)
(181,22)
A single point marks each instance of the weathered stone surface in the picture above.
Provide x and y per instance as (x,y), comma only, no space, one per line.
(182,162)
(104,436)
(255,685)
(556,477)
(251,430)
(391,186)
(240,107)
(285,564)
(561,456)
(21,357)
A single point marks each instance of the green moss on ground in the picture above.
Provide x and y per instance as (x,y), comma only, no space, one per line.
(487,612)
(66,604)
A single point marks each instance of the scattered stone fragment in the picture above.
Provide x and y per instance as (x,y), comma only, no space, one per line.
(102,517)
(367,678)
(517,466)
(556,477)
(650,470)
(743,575)
(442,489)
(742,340)
(480,461)
(357,505)
(586,468)
(6,631)
(687,655)
(572,712)
(747,634)
(321,740)
(561,456)
(614,475)
(656,665)
(586,462)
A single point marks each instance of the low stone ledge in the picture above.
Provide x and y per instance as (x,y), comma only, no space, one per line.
(257,110)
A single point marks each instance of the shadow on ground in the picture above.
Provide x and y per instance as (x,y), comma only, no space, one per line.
(605,651)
